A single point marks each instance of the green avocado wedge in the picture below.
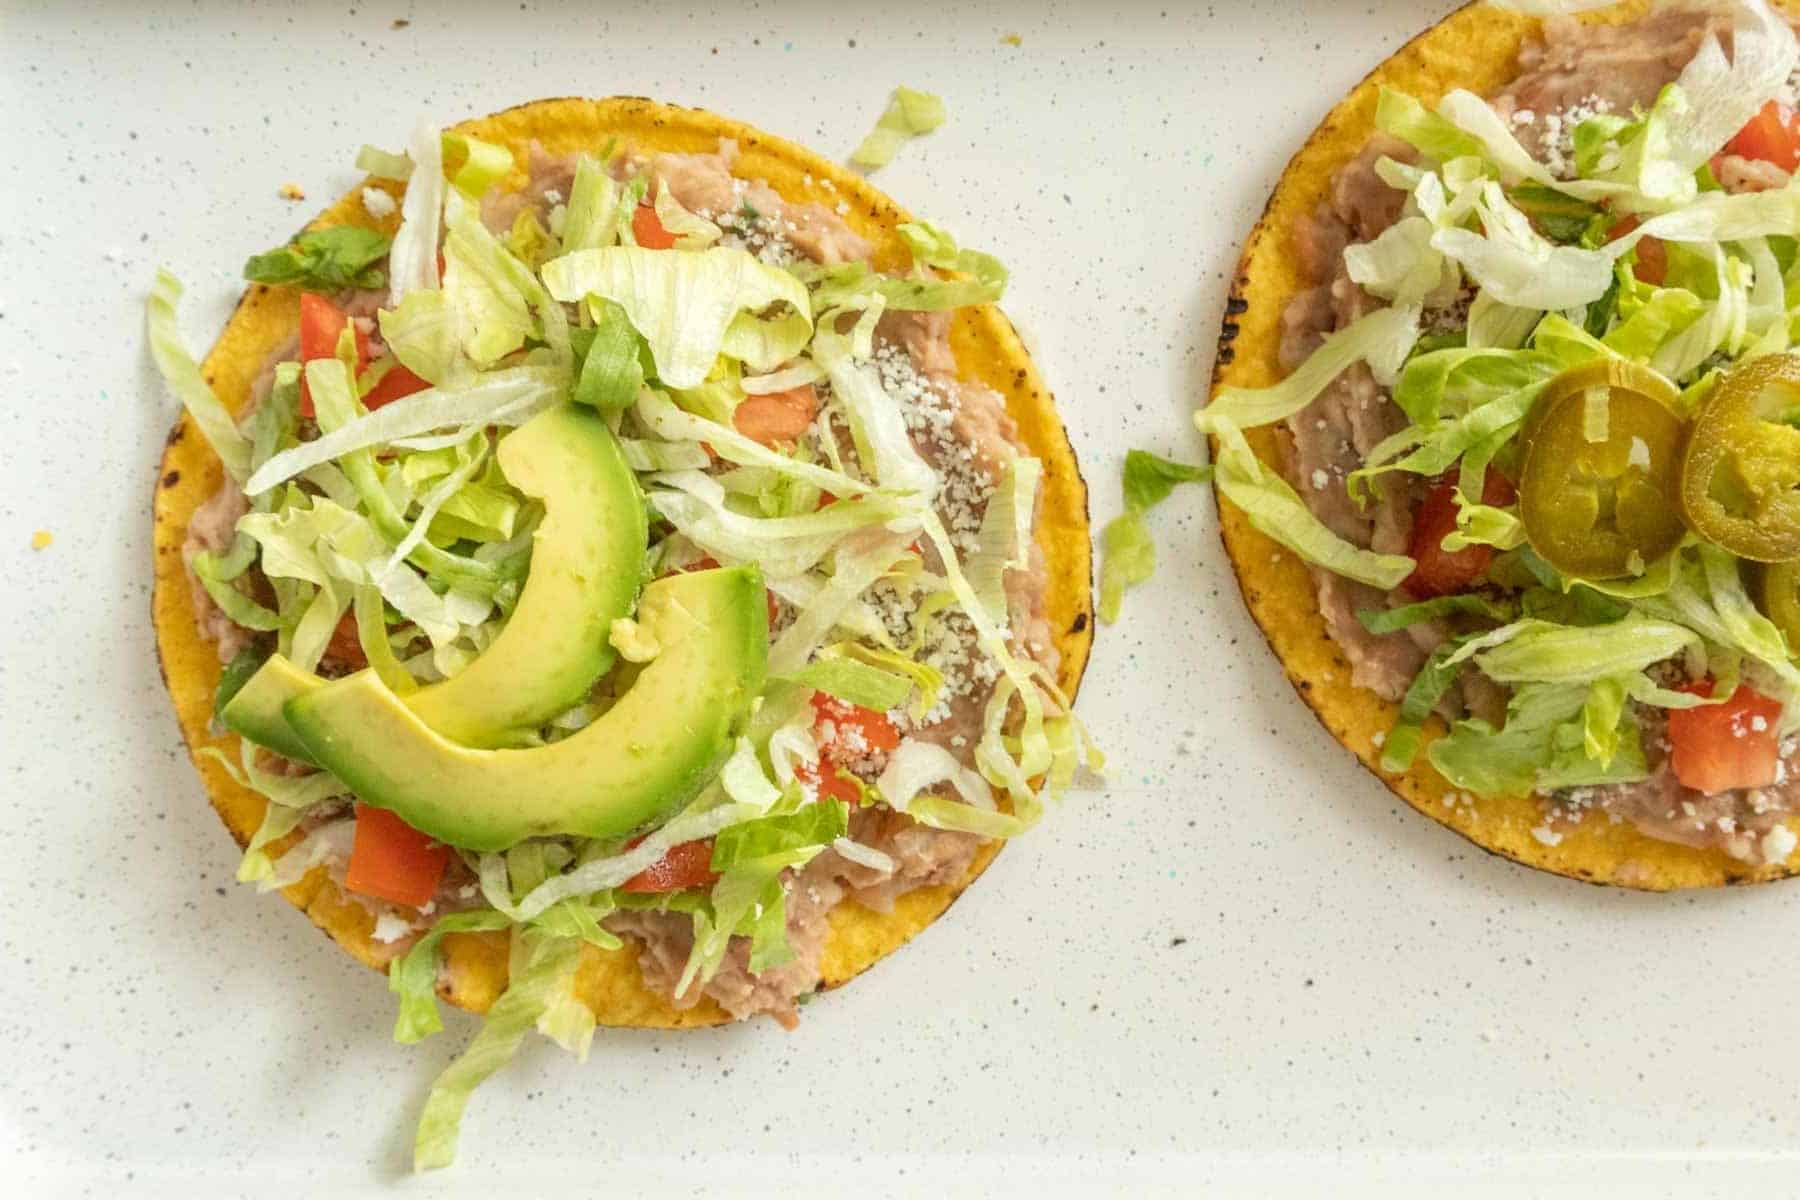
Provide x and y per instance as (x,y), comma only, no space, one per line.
(256,711)
(658,745)
(587,562)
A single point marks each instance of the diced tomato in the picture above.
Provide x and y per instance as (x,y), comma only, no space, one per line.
(709,562)
(391,860)
(1721,747)
(1652,256)
(648,229)
(1442,572)
(397,382)
(321,325)
(1652,264)
(776,417)
(830,782)
(1772,135)
(686,865)
(345,646)
(854,730)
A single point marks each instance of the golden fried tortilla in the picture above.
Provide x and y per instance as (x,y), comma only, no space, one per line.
(1474,48)
(267,319)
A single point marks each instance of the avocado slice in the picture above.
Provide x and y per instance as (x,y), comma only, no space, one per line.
(653,751)
(587,561)
(255,712)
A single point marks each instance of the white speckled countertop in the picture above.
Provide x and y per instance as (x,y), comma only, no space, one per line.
(1243,965)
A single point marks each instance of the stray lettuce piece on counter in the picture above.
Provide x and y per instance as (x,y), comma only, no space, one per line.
(1148,479)
(908,115)
(1128,553)
(344,256)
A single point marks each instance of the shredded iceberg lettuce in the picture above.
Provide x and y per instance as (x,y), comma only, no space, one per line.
(539,974)
(509,396)
(690,307)
(596,208)
(858,682)
(412,261)
(1275,510)
(1383,335)
(473,165)
(421,331)
(413,976)
(182,376)
(1722,94)
(1516,265)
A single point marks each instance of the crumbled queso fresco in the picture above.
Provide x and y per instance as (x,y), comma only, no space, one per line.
(950,648)
(1558,132)
(930,412)
(747,229)
(378,203)
(950,643)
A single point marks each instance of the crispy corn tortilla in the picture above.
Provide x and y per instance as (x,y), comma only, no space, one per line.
(1475,48)
(267,319)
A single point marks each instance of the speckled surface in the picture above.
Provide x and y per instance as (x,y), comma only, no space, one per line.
(1242,965)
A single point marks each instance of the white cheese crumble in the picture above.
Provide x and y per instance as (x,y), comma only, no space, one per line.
(390,928)
(378,203)
(762,234)
(930,412)
(1547,835)
(1778,844)
(1557,140)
